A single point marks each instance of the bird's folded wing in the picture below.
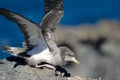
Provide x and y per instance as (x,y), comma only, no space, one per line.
(31,31)
(53,14)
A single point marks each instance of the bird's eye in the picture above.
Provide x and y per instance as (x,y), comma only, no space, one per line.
(70,55)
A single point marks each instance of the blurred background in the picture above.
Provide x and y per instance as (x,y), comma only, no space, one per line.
(91,28)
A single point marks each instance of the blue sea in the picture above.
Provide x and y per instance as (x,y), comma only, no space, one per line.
(76,12)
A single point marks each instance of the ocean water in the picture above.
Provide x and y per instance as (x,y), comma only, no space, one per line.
(76,12)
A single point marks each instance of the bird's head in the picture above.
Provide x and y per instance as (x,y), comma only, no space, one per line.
(68,55)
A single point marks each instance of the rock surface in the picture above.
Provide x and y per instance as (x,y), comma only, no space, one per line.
(24,72)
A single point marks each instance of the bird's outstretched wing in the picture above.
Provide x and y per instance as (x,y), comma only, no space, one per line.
(53,10)
(53,13)
(31,31)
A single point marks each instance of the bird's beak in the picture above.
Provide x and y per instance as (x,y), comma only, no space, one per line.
(75,60)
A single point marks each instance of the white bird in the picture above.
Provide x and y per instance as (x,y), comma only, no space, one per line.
(40,45)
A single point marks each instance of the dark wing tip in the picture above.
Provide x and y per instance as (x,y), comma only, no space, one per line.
(3,11)
(52,4)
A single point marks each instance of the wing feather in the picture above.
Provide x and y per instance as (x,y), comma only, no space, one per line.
(53,13)
(31,31)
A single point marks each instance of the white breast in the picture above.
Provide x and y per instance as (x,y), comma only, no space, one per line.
(46,56)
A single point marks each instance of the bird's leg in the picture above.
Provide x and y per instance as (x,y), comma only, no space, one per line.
(46,65)
(56,69)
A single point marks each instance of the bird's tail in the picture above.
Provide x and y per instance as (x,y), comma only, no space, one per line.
(13,50)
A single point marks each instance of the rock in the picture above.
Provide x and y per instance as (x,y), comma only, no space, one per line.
(25,72)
